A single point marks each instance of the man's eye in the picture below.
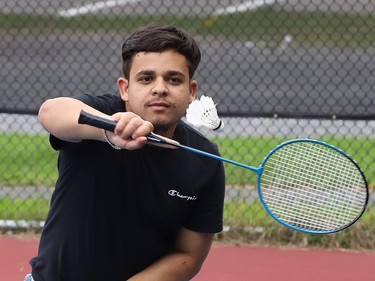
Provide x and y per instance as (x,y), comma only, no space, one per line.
(175,80)
(145,79)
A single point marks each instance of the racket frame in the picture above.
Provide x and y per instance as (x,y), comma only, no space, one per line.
(260,169)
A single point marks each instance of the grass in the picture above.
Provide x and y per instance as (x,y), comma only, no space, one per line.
(250,223)
(307,28)
(28,160)
(28,209)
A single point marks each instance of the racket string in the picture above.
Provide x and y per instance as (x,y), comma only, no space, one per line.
(303,184)
(322,202)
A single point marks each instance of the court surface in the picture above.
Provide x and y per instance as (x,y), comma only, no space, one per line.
(232,263)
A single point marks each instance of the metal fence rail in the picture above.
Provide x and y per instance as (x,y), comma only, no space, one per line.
(276,69)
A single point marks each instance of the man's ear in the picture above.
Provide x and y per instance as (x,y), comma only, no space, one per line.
(123,86)
(193,90)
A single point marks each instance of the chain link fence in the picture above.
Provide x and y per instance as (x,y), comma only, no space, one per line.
(277,69)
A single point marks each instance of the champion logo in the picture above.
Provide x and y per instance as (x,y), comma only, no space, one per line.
(175,193)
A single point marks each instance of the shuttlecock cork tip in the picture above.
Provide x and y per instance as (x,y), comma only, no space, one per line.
(220,127)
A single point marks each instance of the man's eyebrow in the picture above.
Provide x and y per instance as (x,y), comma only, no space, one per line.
(168,73)
(145,72)
(175,72)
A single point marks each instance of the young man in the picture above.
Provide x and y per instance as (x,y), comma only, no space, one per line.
(123,209)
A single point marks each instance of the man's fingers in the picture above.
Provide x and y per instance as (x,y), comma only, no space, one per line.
(131,130)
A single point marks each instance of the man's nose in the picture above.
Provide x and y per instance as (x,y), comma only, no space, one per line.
(160,87)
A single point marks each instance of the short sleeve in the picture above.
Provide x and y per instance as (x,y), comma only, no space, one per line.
(108,104)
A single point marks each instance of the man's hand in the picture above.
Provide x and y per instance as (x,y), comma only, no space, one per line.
(130,132)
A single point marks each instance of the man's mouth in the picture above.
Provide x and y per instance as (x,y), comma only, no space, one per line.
(158,105)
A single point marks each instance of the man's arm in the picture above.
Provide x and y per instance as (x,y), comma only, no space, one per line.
(59,116)
(182,264)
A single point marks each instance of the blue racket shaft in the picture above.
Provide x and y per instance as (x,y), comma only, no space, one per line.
(304,184)
(109,125)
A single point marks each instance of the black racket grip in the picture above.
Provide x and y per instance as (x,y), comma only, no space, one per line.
(109,125)
(96,121)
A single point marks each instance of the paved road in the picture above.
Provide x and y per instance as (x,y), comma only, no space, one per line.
(246,78)
(240,78)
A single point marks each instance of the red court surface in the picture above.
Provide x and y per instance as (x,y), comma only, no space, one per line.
(232,263)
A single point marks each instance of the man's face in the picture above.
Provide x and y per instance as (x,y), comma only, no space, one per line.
(158,89)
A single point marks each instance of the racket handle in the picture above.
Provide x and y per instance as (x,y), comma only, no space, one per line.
(96,121)
(109,125)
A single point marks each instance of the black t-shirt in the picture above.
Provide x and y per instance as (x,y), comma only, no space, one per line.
(114,212)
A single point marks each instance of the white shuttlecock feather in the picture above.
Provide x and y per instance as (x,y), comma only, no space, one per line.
(202,113)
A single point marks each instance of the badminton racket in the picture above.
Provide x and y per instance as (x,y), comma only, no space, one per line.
(304,184)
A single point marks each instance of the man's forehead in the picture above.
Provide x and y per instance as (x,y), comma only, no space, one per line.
(166,61)
(149,53)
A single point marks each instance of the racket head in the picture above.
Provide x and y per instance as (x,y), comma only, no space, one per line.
(311,186)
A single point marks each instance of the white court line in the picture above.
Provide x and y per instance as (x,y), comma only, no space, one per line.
(93,7)
(246,6)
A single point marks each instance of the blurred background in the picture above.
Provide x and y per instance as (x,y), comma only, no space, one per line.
(277,70)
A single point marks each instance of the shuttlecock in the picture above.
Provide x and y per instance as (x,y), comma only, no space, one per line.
(202,113)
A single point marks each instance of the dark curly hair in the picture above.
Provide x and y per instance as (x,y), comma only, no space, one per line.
(158,38)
